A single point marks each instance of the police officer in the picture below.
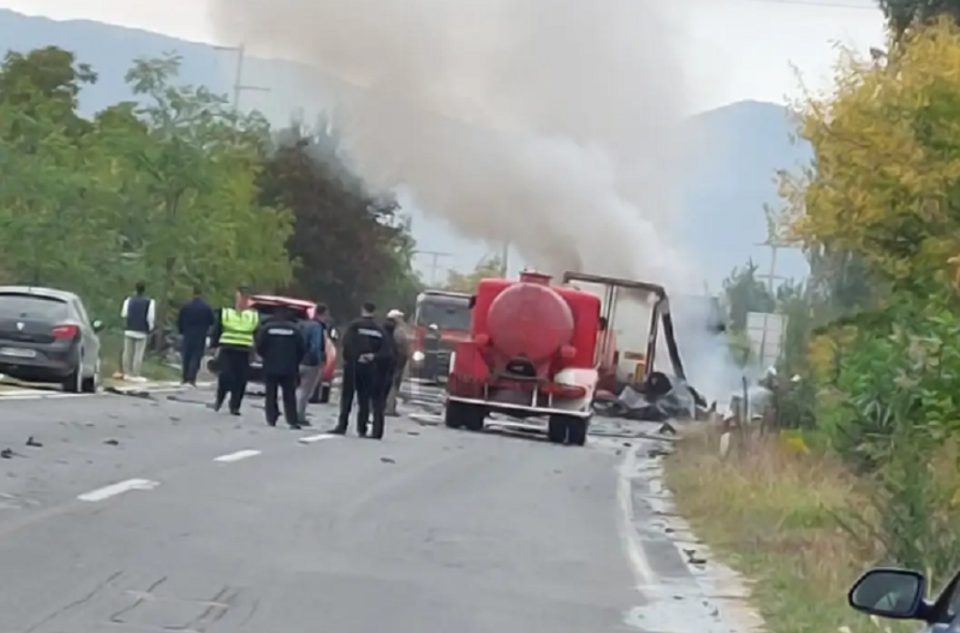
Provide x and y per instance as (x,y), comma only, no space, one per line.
(364,352)
(281,345)
(233,335)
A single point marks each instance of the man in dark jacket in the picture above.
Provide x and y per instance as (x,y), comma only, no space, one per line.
(194,322)
(364,353)
(281,347)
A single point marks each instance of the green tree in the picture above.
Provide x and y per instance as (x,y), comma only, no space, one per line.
(193,213)
(58,228)
(902,14)
(348,244)
(491,266)
(745,293)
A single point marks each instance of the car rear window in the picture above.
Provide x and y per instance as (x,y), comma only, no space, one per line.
(267,310)
(33,306)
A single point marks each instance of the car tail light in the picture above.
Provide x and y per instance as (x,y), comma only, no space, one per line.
(65,332)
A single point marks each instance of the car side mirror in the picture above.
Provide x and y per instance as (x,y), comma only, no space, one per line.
(97,325)
(890,593)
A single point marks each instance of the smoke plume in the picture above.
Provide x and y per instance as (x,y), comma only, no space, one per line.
(551,124)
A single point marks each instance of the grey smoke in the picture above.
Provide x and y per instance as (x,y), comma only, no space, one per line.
(554,124)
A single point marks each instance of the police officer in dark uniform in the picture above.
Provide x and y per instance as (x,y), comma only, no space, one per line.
(364,355)
(281,345)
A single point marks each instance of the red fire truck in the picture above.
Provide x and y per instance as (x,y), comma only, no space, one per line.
(442,320)
(532,352)
(537,349)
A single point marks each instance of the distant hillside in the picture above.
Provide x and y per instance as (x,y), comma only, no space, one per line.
(735,156)
(736,152)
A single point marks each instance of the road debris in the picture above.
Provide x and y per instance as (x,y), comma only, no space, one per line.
(112,442)
(34,443)
(7,453)
(388,460)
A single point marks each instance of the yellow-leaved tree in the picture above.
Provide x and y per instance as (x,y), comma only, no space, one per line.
(885,183)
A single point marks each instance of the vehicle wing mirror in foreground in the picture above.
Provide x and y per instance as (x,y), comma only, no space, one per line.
(890,593)
(97,325)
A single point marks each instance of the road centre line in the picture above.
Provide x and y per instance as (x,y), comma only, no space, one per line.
(236,457)
(118,488)
(310,439)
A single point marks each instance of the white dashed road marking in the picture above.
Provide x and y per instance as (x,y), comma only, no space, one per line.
(118,488)
(310,439)
(236,457)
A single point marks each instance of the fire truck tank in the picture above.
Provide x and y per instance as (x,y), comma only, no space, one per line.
(530,320)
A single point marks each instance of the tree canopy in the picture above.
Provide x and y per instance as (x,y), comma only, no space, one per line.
(178,189)
(467,282)
(884,185)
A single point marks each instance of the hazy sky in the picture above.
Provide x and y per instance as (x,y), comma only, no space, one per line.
(732,49)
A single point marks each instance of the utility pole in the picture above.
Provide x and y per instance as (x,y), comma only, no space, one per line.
(435,256)
(238,85)
(774,245)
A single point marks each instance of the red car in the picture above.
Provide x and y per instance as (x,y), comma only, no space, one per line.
(267,305)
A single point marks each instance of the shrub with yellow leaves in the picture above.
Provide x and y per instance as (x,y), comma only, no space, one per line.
(885,183)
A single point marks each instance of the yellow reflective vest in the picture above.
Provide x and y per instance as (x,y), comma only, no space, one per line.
(238,327)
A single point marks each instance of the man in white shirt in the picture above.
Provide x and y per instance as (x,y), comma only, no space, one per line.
(139,314)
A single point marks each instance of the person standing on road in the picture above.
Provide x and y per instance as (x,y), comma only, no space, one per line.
(139,314)
(280,344)
(363,344)
(401,337)
(233,335)
(194,322)
(314,360)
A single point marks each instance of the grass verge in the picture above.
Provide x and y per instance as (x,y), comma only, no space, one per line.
(111,350)
(769,513)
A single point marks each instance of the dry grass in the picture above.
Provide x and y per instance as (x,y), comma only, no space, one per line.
(769,512)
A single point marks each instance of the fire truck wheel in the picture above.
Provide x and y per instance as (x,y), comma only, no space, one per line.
(557,429)
(577,431)
(474,418)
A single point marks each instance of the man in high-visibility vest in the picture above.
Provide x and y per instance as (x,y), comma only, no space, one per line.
(234,335)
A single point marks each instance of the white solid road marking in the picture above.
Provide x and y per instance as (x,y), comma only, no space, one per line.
(643,574)
(118,488)
(236,457)
(310,439)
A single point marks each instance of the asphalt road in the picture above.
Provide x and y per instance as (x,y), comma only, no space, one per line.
(160,515)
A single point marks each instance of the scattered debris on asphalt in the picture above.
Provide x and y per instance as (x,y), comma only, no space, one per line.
(34,443)
(413,432)
(667,429)
(426,419)
(7,453)
(388,460)
(145,395)
(112,442)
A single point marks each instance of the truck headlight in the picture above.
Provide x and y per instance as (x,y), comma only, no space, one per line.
(418,356)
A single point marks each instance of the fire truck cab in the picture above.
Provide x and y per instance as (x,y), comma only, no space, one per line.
(441,321)
(532,351)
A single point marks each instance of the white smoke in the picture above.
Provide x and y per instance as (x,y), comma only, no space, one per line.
(551,124)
